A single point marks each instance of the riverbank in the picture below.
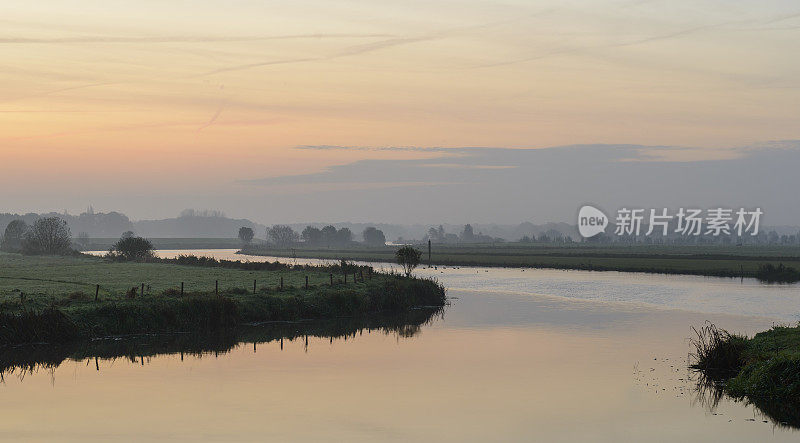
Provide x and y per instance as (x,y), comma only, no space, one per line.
(763,370)
(714,261)
(57,299)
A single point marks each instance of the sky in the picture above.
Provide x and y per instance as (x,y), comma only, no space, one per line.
(252,107)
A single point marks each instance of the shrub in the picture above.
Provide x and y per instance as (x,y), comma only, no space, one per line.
(132,248)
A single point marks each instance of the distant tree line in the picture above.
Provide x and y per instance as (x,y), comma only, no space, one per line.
(284,236)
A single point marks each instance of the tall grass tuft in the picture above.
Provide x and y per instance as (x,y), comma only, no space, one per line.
(718,353)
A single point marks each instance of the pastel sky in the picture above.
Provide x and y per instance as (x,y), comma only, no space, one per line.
(149,107)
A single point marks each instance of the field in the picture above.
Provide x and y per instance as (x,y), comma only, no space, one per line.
(729,261)
(53,298)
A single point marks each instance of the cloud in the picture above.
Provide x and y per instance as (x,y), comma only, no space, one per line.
(181,39)
(548,184)
(375,46)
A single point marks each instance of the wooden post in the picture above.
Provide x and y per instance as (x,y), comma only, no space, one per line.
(281,283)
(345,278)
(254,286)
(331,279)
(96,292)
(181,289)
(216,287)
(306,282)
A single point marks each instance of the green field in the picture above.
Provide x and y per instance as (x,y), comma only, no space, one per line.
(730,261)
(45,298)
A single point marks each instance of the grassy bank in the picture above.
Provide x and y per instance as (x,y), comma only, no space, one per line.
(47,299)
(721,261)
(763,370)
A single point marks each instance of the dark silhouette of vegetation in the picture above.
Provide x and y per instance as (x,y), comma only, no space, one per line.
(283,236)
(29,358)
(246,234)
(13,236)
(81,317)
(311,235)
(777,273)
(47,236)
(763,370)
(374,237)
(408,257)
(132,249)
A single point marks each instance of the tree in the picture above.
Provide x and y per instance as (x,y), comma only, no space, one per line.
(133,248)
(128,234)
(282,235)
(468,234)
(374,237)
(408,257)
(13,236)
(344,236)
(49,235)
(329,235)
(311,235)
(246,235)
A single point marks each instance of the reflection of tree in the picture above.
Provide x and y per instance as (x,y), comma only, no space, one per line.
(24,360)
(709,393)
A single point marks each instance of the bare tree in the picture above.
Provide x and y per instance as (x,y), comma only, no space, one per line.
(49,235)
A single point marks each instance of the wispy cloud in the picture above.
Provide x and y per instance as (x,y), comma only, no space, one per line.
(375,148)
(181,39)
(375,46)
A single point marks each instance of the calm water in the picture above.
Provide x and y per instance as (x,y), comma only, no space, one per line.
(518,356)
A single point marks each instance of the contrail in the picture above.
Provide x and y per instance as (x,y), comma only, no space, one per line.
(376,46)
(179,39)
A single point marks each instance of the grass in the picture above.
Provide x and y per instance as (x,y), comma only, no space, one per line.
(763,370)
(712,260)
(52,299)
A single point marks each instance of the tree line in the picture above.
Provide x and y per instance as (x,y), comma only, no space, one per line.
(284,236)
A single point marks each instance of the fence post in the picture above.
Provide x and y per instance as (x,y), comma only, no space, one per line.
(96,292)
(345,278)
(254,286)
(216,287)
(306,282)
(281,283)
(331,279)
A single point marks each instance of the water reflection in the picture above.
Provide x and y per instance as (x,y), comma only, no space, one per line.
(28,359)
(709,393)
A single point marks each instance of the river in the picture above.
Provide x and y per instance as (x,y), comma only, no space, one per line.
(519,355)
